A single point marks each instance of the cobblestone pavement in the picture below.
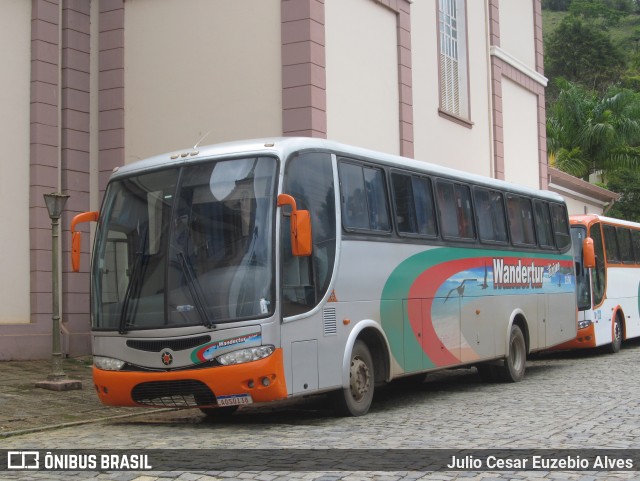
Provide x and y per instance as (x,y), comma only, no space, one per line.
(581,400)
(24,407)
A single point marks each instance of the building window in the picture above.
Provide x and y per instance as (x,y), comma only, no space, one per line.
(454,81)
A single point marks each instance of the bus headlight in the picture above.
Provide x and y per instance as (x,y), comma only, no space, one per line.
(583,324)
(107,363)
(245,355)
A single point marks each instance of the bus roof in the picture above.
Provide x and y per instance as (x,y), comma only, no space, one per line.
(282,147)
(588,219)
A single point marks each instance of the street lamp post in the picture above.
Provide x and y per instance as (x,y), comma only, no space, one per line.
(57,380)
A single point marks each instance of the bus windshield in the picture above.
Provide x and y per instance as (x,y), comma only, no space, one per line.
(578,234)
(186,246)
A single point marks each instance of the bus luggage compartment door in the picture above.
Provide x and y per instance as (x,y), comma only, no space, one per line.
(304,362)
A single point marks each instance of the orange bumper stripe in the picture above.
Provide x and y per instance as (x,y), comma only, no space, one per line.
(585,339)
(114,387)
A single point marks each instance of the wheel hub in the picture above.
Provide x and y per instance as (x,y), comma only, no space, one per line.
(360,381)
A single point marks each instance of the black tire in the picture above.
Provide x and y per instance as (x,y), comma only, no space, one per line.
(356,399)
(616,343)
(219,413)
(516,361)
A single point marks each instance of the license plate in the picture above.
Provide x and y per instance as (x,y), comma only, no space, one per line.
(234,400)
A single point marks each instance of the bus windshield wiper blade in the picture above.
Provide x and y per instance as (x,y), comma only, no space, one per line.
(135,281)
(195,290)
(132,290)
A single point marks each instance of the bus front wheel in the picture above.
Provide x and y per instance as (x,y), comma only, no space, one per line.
(516,361)
(616,342)
(356,399)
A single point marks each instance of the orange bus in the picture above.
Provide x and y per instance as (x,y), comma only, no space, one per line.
(608,305)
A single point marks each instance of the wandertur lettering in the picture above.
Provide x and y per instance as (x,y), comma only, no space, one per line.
(509,274)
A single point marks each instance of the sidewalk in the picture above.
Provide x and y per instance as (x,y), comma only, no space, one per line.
(26,408)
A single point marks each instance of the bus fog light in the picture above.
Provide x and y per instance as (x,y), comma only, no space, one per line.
(583,324)
(107,363)
(245,355)
(265,381)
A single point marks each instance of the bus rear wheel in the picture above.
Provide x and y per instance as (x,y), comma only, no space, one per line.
(516,361)
(616,342)
(356,399)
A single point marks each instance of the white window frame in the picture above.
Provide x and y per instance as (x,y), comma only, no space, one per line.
(453,62)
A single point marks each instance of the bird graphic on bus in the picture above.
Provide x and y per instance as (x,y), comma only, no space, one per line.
(459,289)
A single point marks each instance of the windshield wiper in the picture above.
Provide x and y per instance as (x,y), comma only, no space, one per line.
(135,282)
(196,291)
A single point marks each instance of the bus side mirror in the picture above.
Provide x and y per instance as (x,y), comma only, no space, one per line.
(300,226)
(76,237)
(588,253)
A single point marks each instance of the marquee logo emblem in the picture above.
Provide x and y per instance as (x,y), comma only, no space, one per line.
(167,358)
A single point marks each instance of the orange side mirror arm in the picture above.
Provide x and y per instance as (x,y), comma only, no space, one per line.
(76,236)
(588,253)
(301,240)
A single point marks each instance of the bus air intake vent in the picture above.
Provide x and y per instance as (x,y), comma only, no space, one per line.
(329,321)
(157,345)
(173,394)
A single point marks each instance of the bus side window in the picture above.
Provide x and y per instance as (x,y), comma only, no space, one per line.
(491,222)
(611,244)
(520,220)
(455,211)
(413,204)
(635,238)
(364,198)
(624,242)
(543,224)
(447,209)
(560,225)
(354,203)
(465,212)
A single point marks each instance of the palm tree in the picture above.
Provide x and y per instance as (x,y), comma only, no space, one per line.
(589,134)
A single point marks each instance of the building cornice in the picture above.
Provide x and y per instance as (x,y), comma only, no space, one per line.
(562,182)
(518,65)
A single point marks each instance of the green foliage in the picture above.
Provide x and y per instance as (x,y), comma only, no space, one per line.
(604,13)
(592,58)
(585,6)
(627,183)
(556,5)
(581,52)
(588,133)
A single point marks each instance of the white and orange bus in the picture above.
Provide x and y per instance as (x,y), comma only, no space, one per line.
(262,270)
(608,292)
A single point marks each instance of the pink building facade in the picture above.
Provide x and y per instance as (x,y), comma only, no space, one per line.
(95,67)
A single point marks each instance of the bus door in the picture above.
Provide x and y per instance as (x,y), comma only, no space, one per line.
(309,334)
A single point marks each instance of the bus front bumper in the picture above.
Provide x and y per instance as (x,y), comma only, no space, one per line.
(239,384)
(585,339)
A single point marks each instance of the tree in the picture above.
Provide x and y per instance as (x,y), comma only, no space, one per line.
(588,133)
(582,53)
(627,183)
(603,13)
(556,5)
